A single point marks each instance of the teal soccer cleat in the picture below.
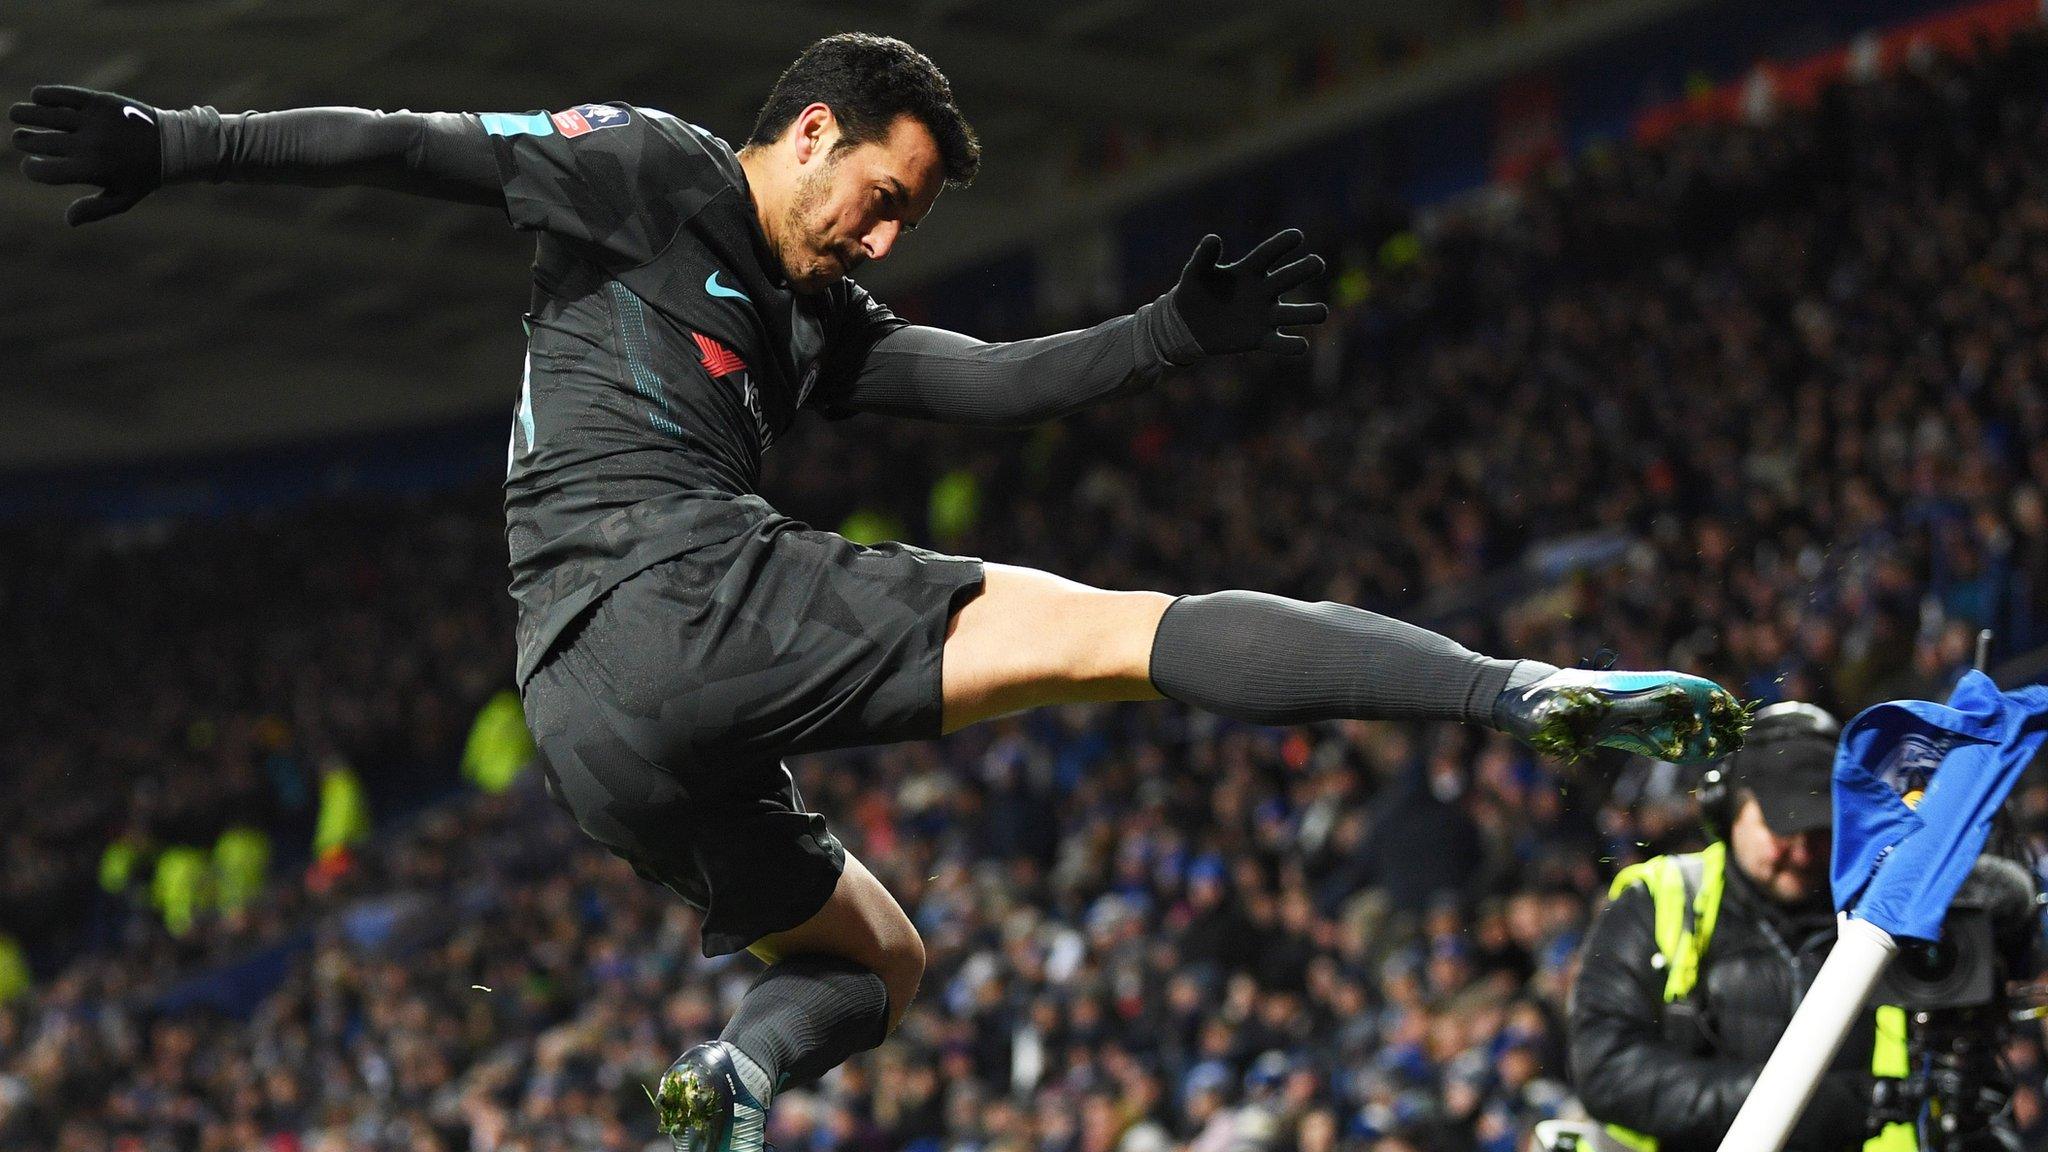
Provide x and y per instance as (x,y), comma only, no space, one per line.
(1669,715)
(703,1106)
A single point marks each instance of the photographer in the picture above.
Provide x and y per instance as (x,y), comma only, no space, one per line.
(1690,976)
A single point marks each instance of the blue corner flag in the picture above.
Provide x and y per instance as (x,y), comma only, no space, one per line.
(1898,865)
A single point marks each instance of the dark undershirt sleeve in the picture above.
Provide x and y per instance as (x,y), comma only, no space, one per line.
(445,155)
(934,374)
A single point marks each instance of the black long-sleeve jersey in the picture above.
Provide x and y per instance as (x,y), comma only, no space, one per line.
(665,349)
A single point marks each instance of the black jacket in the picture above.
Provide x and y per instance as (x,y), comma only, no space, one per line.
(1685,1089)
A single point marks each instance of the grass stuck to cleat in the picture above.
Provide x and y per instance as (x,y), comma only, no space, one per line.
(1729,721)
(684,1104)
(1682,721)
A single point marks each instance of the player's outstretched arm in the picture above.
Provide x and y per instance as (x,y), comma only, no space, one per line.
(1215,310)
(129,149)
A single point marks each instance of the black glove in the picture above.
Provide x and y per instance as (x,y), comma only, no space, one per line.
(79,136)
(1236,307)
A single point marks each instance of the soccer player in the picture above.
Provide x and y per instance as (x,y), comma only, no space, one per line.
(677,636)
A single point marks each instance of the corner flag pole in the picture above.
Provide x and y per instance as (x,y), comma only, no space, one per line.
(1793,1073)
(1899,861)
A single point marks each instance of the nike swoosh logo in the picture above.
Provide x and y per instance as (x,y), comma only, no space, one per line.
(139,114)
(712,286)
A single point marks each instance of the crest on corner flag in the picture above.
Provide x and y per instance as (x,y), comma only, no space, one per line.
(1916,786)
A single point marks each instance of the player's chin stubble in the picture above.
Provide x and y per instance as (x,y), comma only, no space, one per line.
(809,257)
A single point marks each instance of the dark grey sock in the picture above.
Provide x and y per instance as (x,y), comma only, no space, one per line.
(1269,660)
(806,1015)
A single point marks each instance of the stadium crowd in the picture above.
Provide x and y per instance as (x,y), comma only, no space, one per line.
(193,678)
(1758,402)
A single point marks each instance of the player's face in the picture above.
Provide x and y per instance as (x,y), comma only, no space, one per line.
(1789,869)
(852,205)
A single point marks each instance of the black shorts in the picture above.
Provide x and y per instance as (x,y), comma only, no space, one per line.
(663,713)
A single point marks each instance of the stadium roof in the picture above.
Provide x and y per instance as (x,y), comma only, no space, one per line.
(210,317)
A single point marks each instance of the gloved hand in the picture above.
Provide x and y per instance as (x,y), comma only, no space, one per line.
(1236,307)
(79,136)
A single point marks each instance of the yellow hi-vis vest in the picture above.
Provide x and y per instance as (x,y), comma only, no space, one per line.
(241,860)
(1685,892)
(181,887)
(14,973)
(344,818)
(119,863)
(499,745)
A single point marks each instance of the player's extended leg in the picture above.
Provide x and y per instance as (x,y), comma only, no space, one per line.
(1032,639)
(837,984)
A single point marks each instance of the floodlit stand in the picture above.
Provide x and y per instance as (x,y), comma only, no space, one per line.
(1862,951)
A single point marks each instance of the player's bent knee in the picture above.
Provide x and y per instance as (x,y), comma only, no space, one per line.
(899,953)
(863,923)
(901,973)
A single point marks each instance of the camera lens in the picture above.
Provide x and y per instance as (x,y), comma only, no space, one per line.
(1931,962)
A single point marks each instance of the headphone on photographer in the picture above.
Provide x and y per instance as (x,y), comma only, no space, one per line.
(1719,788)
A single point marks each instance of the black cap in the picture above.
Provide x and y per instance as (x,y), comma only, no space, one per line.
(1793,780)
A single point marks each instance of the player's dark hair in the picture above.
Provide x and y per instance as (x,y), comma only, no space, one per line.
(868,81)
